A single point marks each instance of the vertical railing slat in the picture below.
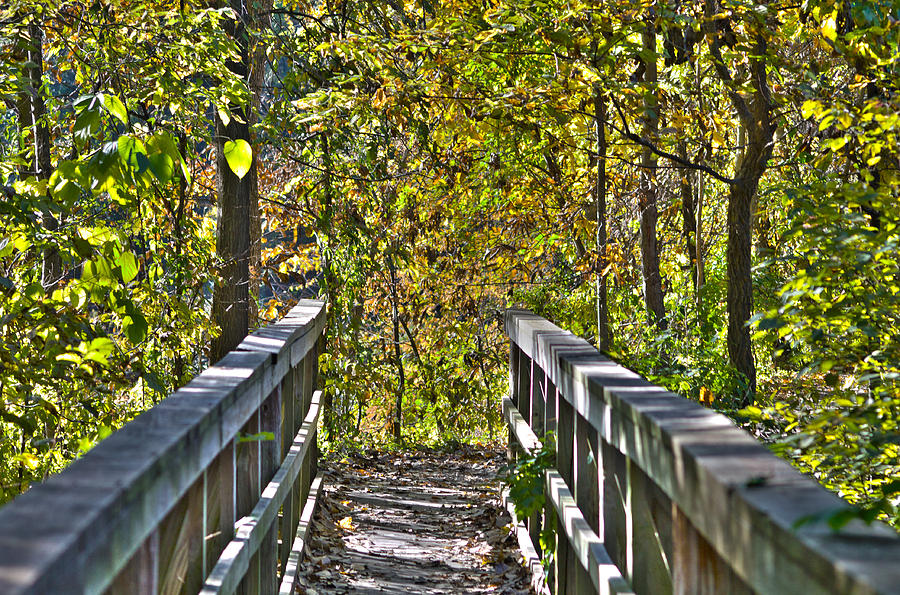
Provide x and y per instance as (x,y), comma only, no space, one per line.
(270,460)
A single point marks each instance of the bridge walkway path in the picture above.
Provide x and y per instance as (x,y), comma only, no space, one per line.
(413,522)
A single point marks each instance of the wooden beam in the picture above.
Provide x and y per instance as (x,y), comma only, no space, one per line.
(741,498)
(292,567)
(79,529)
(234,561)
(533,561)
(588,548)
(520,428)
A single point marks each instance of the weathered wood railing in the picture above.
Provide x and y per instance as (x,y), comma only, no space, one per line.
(657,494)
(210,490)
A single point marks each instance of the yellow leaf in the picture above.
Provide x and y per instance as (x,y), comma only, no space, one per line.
(379,100)
(346,523)
(829,28)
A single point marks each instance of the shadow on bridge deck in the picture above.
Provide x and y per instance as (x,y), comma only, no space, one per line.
(415,522)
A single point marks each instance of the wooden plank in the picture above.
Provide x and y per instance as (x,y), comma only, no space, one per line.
(711,470)
(524,394)
(220,506)
(288,512)
(512,398)
(181,544)
(587,487)
(248,486)
(308,316)
(566,567)
(586,545)
(616,526)
(696,567)
(77,530)
(270,459)
(532,560)
(235,560)
(651,535)
(140,574)
(292,567)
(142,471)
(519,427)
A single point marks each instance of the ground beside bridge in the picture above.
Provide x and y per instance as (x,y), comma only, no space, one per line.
(413,522)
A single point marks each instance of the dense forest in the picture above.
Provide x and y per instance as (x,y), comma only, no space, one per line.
(705,190)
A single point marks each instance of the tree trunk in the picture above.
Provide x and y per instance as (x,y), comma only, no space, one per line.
(32,124)
(397,422)
(701,187)
(230,307)
(754,108)
(740,286)
(603,334)
(261,19)
(689,217)
(653,294)
(328,283)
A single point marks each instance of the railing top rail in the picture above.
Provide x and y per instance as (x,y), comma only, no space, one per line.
(77,529)
(744,500)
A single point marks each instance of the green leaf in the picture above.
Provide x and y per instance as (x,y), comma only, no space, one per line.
(86,123)
(135,326)
(153,381)
(114,106)
(98,271)
(224,115)
(261,437)
(130,149)
(128,265)
(829,28)
(162,166)
(239,156)
(27,460)
(162,156)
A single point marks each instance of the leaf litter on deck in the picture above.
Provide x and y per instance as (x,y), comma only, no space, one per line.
(413,522)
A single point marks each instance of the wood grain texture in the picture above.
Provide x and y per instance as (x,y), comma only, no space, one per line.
(739,497)
(253,528)
(78,530)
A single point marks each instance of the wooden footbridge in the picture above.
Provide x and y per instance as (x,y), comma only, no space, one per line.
(213,489)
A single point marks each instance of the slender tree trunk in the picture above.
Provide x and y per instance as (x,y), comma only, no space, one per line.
(230,307)
(701,273)
(740,286)
(178,365)
(33,125)
(689,217)
(754,108)
(740,239)
(701,187)
(653,294)
(603,334)
(261,20)
(328,282)
(397,423)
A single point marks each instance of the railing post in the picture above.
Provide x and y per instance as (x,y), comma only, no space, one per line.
(247,479)
(514,355)
(536,421)
(586,487)
(551,425)
(289,512)
(270,460)
(565,456)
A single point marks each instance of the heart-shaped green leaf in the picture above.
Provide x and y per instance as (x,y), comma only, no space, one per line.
(239,156)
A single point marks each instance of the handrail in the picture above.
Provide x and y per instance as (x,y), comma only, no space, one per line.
(672,493)
(153,507)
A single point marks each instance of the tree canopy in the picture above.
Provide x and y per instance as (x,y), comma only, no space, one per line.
(706,190)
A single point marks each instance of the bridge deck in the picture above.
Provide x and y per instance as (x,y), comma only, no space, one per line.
(420,522)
